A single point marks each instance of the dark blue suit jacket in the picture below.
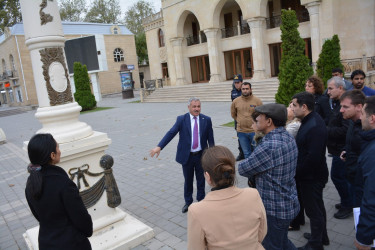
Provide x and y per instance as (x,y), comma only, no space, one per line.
(183,127)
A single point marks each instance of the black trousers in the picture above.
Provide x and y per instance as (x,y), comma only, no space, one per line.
(300,218)
(312,198)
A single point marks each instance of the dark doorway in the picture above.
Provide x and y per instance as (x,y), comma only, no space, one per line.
(200,69)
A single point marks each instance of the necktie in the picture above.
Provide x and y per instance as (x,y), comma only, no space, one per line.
(195,134)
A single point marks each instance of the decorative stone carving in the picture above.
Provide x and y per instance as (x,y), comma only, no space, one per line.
(44,17)
(56,76)
(163,54)
(107,182)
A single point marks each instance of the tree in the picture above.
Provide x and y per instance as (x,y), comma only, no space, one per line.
(329,58)
(104,11)
(83,94)
(72,10)
(10,13)
(133,21)
(294,66)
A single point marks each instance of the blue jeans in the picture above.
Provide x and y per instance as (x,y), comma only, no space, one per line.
(277,234)
(245,142)
(338,177)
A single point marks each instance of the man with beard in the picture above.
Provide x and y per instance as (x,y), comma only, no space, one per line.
(358,80)
(351,108)
(366,226)
(236,92)
(241,110)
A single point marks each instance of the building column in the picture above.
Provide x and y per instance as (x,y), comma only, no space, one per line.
(257,29)
(178,62)
(313,9)
(213,54)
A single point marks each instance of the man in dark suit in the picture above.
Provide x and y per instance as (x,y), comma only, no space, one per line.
(196,134)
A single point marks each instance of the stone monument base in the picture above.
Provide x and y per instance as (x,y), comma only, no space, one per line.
(126,232)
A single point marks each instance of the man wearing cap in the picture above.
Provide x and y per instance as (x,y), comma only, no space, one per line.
(241,110)
(236,92)
(312,170)
(273,164)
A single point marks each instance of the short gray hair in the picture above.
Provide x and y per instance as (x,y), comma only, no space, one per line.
(193,99)
(338,81)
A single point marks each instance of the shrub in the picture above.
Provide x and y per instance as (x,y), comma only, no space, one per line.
(294,66)
(83,94)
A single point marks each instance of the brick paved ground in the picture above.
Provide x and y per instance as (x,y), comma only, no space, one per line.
(151,189)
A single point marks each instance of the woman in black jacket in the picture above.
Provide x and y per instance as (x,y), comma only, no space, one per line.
(54,199)
(315,86)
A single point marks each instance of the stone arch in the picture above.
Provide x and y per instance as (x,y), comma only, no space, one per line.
(179,31)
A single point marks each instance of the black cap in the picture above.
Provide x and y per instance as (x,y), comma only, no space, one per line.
(237,78)
(273,110)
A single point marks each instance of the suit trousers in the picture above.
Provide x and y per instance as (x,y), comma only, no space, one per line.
(312,197)
(193,165)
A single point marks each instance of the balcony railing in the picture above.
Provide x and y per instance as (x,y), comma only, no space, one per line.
(275,21)
(245,29)
(229,32)
(191,40)
(203,37)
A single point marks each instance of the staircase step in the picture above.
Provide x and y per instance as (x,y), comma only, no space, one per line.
(215,92)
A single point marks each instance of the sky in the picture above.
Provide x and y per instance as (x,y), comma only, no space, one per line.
(125,4)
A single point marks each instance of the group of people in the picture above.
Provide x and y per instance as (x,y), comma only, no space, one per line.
(284,151)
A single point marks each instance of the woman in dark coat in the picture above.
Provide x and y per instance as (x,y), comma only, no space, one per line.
(315,86)
(54,199)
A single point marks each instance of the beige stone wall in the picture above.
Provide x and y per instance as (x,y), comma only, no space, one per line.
(352,20)
(154,51)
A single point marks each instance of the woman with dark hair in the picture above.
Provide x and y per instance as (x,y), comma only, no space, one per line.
(315,86)
(54,199)
(228,217)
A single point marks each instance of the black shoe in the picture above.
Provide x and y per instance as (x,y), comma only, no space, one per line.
(309,247)
(185,208)
(293,228)
(338,205)
(344,212)
(240,157)
(308,236)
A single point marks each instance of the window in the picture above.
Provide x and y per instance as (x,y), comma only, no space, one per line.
(118,55)
(11,60)
(115,31)
(4,65)
(161,38)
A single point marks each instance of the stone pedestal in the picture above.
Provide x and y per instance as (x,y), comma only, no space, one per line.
(81,148)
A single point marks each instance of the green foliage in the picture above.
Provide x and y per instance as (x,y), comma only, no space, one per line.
(83,94)
(10,13)
(133,21)
(294,66)
(72,10)
(104,11)
(329,58)
(141,47)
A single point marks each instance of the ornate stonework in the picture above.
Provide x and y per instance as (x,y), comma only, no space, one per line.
(163,54)
(44,17)
(56,76)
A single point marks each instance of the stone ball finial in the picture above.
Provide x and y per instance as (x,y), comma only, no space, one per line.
(106,161)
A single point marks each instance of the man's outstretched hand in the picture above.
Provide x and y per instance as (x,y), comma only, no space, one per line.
(155,151)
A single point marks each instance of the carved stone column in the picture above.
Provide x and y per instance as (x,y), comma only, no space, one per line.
(213,54)
(257,29)
(82,149)
(313,8)
(178,62)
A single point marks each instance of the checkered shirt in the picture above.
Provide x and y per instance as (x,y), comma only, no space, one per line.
(273,163)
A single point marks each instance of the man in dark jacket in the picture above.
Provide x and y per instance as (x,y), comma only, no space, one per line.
(312,171)
(337,128)
(236,92)
(366,226)
(351,108)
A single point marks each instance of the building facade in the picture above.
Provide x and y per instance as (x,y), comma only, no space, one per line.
(116,47)
(193,41)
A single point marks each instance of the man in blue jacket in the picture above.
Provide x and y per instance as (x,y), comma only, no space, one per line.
(196,134)
(366,226)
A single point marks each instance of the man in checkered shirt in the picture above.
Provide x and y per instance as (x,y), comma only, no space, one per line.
(273,163)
